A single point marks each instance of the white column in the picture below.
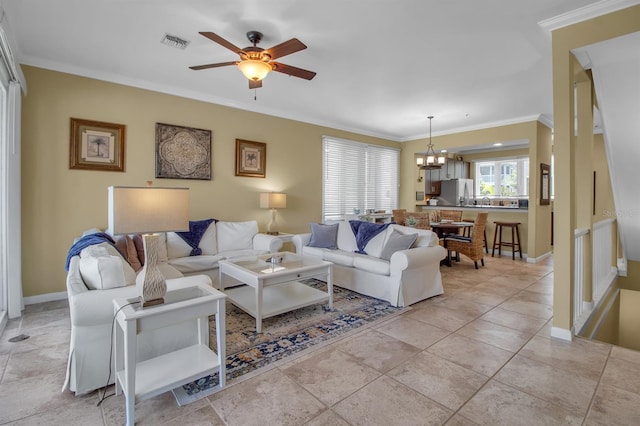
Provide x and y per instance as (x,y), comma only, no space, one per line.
(13,213)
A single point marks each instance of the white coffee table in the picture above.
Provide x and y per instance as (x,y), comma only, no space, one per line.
(273,289)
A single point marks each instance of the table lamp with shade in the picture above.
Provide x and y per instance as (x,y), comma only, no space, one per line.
(145,210)
(273,201)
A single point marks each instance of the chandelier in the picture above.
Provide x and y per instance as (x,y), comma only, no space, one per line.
(430,160)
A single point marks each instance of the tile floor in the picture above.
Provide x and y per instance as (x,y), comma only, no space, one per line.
(479,354)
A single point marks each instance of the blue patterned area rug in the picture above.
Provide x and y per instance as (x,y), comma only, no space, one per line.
(286,334)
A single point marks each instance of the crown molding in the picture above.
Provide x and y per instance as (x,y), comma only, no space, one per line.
(546,120)
(591,11)
(508,122)
(177,91)
(195,95)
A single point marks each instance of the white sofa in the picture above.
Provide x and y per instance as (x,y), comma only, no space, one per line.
(411,275)
(222,240)
(91,290)
(91,323)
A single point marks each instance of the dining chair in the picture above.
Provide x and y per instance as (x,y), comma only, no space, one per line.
(399,216)
(467,233)
(454,215)
(472,247)
(422,218)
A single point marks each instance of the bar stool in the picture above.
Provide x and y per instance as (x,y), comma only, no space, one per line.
(515,239)
(467,233)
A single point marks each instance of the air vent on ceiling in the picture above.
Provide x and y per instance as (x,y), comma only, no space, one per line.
(174,41)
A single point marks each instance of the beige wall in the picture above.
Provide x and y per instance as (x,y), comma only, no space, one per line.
(58,204)
(478,156)
(632,280)
(536,239)
(539,215)
(610,324)
(409,172)
(629,333)
(564,40)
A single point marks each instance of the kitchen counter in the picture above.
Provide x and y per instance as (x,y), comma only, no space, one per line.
(476,208)
(496,213)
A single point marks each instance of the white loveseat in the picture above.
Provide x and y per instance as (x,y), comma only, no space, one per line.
(411,275)
(91,290)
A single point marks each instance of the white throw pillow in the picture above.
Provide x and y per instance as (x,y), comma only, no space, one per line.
(102,267)
(346,238)
(209,242)
(176,246)
(375,245)
(236,235)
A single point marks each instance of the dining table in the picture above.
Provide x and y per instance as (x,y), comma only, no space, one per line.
(446,227)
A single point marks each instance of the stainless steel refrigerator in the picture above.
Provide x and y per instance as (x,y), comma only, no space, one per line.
(456,192)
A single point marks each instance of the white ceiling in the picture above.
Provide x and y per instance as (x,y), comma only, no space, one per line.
(383,66)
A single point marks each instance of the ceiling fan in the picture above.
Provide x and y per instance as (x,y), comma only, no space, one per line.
(256,62)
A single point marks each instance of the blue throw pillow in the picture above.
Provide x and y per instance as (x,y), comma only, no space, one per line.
(365,231)
(324,236)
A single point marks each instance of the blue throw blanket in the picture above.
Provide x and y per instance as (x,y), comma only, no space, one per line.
(196,231)
(365,231)
(86,241)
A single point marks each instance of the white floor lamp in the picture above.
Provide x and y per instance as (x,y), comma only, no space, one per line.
(145,210)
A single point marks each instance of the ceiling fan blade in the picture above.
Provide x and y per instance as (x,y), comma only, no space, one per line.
(219,64)
(286,48)
(255,84)
(222,42)
(294,71)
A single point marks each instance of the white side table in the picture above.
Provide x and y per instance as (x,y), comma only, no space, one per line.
(282,236)
(146,379)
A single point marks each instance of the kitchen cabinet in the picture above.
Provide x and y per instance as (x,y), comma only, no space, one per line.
(432,182)
(452,169)
(466,170)
(455,169)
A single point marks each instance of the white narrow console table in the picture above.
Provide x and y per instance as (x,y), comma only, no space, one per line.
(146,379)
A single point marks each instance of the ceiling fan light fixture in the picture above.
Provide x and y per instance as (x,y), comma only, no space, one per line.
(254,69)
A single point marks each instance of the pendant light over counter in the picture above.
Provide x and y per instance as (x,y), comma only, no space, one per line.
(430,160)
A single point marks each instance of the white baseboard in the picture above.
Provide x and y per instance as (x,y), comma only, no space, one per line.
(49,297)
(506,253)
(539,258)
(562,333)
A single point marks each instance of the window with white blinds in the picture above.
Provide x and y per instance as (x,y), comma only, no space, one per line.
(357,176)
